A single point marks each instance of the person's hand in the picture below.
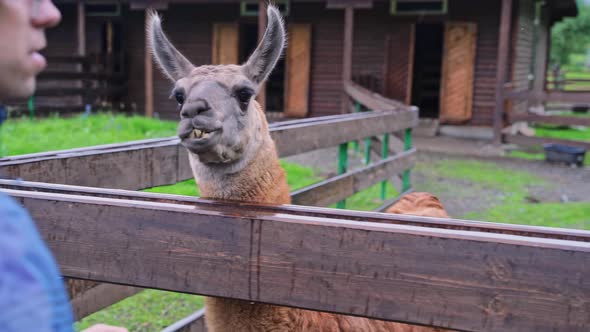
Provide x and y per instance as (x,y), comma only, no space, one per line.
(105,328)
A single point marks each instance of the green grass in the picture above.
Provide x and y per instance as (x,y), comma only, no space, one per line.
(150,310)
(488,175)
(514,186)
(297,176)
(567,215)
(563,133)
(22,136)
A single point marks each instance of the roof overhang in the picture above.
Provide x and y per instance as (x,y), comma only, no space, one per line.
(560,9)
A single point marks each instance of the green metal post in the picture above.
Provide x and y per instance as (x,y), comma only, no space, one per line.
(407,146)
(31,106)
(342,167)
(357,109)
(384,154)
(368,150)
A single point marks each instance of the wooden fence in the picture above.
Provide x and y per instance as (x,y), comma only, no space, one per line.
(456,274)
(149,163)
(73,82)
(568,98)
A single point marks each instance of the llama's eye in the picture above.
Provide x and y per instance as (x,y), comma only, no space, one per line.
(244,96)
(179,96)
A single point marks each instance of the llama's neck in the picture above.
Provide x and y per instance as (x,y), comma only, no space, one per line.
(260,180)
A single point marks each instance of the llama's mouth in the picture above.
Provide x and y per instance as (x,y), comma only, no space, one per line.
(197,140)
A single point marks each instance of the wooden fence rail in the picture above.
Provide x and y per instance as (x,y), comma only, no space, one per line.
(566,97)
(458,279)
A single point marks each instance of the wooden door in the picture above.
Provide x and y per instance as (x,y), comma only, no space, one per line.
(458,71)
(297,67)
(225,44)
(399,62)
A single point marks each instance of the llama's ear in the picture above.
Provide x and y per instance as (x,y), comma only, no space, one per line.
(170,60)
(268,52)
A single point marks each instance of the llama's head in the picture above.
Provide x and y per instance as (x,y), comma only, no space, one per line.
(218,119)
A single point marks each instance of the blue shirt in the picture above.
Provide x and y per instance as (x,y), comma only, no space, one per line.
(32,294)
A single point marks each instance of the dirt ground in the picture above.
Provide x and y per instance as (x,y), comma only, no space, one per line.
(565,184)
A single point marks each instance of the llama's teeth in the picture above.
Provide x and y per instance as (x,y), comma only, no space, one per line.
(205,135)
(196,133)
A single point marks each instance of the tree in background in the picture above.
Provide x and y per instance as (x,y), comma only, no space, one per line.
(571,36)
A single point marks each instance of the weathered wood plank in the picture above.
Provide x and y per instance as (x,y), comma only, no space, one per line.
(254,209)
(371,100)
(192,323)
(100,297)
(318,135)
(340,187)
(578,97)
(527,141)
(484,281)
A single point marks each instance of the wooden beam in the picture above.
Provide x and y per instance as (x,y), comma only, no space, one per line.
(254,209)
(343,4)
(347,52)
(573,97)
(149,75)
(540,69)
(195,322)
(484,281)
(334,189)
(100,297)
(372,100)
(81,28)
(502,65)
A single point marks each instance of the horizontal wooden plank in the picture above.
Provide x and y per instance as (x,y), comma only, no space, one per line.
(484,281)
(318,135)
(528,141)
(222,207)
(60,91)
(567,97)
(337,188)
(195,322)
(372,100)
(49,75)
(100,297)
(550,119)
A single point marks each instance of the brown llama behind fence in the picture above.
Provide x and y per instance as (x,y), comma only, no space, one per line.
(233,157)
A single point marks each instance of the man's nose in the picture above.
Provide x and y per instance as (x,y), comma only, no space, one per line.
(194,108)
(46,15)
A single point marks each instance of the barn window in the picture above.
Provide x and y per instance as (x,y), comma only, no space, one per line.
(102,9)
(418,7)
(250,7)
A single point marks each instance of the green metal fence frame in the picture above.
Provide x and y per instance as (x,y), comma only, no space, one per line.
(343,158)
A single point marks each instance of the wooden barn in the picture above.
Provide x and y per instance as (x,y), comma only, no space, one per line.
(443,56)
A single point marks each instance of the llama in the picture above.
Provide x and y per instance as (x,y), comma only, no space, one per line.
(419,204)
(233,157)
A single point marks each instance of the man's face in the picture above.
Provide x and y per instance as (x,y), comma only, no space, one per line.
(22,36)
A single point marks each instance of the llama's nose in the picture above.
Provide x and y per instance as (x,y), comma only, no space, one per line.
(194,108)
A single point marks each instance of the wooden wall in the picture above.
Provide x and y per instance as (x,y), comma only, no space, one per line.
(522,56)
(189,27)
(487,16)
